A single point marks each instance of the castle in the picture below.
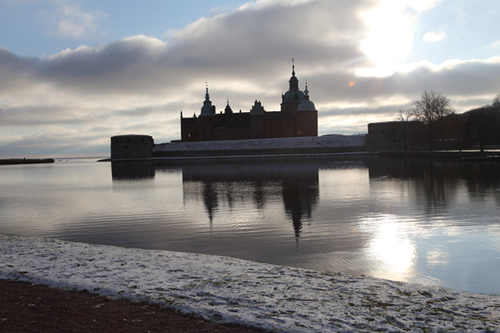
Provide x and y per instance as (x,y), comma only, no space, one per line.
(298,117)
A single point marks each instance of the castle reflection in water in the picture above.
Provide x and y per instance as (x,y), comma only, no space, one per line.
(223,182)
(294,182)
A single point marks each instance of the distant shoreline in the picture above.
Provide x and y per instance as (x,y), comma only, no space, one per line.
(25,161)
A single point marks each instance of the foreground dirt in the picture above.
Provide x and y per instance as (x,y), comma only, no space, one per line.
(26,307)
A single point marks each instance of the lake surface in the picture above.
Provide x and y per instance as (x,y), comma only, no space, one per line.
(415,220)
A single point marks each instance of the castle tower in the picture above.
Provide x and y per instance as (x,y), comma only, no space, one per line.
(292,98)
(206,120)
(228,109)
(307,117)
(306,104)
(207,109)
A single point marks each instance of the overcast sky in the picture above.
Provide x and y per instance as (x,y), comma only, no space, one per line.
(74,73)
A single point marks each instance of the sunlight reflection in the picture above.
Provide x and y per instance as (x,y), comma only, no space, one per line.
(437,258)
(391,245)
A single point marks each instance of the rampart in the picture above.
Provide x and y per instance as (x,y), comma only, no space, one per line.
(131,146)
(326,144)
(394,136)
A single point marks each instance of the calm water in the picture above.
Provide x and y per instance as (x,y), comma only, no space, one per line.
(431,222)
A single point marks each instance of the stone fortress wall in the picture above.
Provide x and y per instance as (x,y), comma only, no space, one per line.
(394,136)
(325,144)
(131,146)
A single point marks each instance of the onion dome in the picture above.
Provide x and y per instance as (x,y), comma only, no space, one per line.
(293,94)
(306,104)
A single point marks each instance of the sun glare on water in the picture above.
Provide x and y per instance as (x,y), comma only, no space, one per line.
(391,245)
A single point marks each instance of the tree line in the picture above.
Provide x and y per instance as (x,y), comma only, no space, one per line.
(442,127)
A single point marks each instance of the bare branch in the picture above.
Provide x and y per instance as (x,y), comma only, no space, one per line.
(496,102)
(404,115)
(432,107)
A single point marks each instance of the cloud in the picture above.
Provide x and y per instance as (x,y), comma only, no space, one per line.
(75,23)
(461,14)
(434,36)
(423,5)
(495,44)
(67,28)
(240,46)
(140,84)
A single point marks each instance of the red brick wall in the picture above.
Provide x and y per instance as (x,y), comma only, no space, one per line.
(307,123)
(205,127)
(280,128)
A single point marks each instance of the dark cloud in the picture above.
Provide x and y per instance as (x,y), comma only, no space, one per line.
(365,111)
(254,45)
(459,79)
(14,71)
(37,115)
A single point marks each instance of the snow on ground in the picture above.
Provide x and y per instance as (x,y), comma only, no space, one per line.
(225,289)
(331,141)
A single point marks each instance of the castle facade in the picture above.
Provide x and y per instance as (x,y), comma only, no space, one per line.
(297,117)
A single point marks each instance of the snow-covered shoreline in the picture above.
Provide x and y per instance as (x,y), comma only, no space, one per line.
(285,299)
(328,141)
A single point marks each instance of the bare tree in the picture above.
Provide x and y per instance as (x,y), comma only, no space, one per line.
(483,124)
(404,116)
(456,129)
(431,109)
(496,102)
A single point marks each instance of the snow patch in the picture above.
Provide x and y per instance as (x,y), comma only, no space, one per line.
(279,298)
(330,141)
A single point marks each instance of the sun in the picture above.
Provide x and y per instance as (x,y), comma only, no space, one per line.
(389,39)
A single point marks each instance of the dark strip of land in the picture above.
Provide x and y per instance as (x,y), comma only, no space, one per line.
(28,307)
(26,161)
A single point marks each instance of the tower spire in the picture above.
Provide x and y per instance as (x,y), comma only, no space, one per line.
(228,108)
(294,82)
(206,110)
